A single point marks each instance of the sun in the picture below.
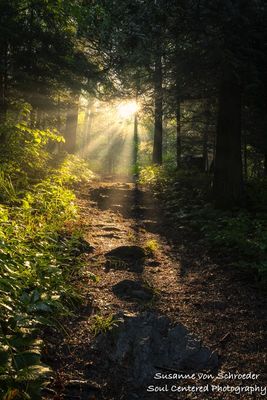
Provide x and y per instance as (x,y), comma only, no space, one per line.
(127,109)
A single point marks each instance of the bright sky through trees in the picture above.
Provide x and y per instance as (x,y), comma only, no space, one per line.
(127,109)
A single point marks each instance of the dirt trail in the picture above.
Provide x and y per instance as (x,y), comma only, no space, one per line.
(219,305)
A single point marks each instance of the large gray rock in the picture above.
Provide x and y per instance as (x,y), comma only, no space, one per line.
(143,344)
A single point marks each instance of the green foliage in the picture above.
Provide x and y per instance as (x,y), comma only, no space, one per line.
(151,246)
(241,234)
(153,176)
(24,151)
(38,257)
(176,188)
(257,193)
(7,190)
(103,324)
(36,267)
(73,170)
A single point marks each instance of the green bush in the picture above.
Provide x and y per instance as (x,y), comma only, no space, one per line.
(244,236)
(24,151)
(38,257)
(156,177)
(36,268)
(73,170)
(257,193)
(179,190)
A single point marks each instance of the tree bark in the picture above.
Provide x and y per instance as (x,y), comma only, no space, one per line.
(71,126)
(205,151)
(245,155)
(205,147)
(265,164)
(178,135)
(135,140)
(88,126)
(157,145)
(228,181)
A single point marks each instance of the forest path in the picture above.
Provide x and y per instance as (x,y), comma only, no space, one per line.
(178,279)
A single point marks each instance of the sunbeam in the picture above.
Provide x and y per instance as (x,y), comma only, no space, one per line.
(127,109)
(108,144)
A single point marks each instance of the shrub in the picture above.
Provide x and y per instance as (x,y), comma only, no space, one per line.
(38,259)
(185,196)
(35,285)
(24,154)
(243,235)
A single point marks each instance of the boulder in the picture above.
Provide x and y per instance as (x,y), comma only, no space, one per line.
(144,344)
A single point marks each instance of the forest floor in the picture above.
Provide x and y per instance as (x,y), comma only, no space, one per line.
(220,305)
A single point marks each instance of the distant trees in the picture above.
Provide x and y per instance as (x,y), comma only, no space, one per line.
(42,60)
(211,52)
(176,53)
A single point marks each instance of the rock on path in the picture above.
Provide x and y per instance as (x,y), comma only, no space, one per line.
(143,344)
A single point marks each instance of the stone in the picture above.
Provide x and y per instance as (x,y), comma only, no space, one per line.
(111,229)
(132,290)
(126,258)
(144,344)
(109,235)
(141,294)
(126,252)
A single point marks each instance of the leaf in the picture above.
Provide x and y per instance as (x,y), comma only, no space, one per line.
(12,394)
(41,306)
(35,296)
(6,306)
(4,358)
(44,321)
(26,359)
(21,342)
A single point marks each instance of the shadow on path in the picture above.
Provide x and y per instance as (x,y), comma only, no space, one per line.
(205,297)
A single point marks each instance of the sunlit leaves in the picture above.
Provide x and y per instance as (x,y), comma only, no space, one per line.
(36,267)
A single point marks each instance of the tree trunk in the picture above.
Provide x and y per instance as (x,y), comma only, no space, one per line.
(178,135)
(228,184)
(71,126)
(157,145)
(245,155)
(205,147)
(88,127)
(135,140)
(205,151)
(265,164)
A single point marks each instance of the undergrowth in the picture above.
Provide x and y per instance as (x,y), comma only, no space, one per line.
(240,234)
(151,246)
(102,324)
(37,262)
